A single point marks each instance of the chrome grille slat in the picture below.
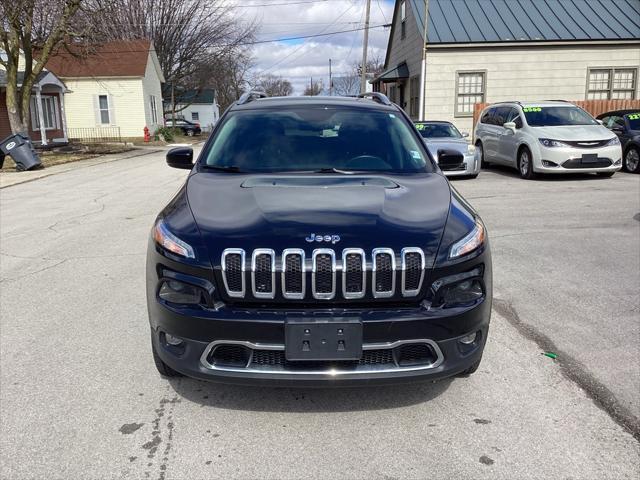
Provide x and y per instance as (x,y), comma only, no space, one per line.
(412,266)
(233,275)
(293,274)
(293,270)
(323,274)
(263,273)
(354,273)
(383,283)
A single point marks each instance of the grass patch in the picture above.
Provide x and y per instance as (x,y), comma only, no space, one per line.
(71,153)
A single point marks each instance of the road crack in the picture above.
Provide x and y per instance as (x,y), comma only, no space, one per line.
(574,371)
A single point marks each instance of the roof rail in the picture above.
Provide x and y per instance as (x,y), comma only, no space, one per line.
(251,95)
(376,97)
(557,100)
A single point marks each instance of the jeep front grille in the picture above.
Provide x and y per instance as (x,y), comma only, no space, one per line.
(294,270)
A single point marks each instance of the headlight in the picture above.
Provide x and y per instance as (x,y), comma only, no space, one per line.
(169,241)
(547,142)
(471,149)
(473,240)
(613,141)
(459,290)
(175,291)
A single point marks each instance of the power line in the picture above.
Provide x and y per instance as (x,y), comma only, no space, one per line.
(302,2)
(370,27)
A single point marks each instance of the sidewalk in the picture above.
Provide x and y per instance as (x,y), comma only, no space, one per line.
(9,179)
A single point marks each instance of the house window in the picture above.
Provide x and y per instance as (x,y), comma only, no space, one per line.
(403,20)
(50,116)
(611,83)
(470,89)
(195,116)
(154,110)
(414,99)
(103,106)
(392,93)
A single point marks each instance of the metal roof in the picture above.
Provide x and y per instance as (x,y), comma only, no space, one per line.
(478,21)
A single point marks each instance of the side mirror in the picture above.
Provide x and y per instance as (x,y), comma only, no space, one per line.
(510,126)
(619,129)
(450,159)
(465,134)
(181,157)
(600,122)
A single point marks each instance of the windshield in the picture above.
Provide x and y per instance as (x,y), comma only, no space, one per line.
(438,130)
(634,121)
(315,139)
(557,116)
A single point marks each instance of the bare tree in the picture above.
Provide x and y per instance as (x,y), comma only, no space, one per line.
(228,75)
(188,35)
(347,85)
(275,86)
(313,89)
(31,28)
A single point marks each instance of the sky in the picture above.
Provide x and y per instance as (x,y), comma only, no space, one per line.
(300,60)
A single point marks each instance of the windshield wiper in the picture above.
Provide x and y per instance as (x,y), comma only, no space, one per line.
(334,170)
(223,168)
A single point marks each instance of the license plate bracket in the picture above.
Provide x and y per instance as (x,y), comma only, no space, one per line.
(589,158)
(323,339)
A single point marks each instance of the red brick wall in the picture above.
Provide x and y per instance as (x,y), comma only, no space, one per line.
(5,129)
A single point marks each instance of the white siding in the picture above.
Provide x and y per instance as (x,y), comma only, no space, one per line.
(523,73)
(127,102)
(151,87)
(208,114)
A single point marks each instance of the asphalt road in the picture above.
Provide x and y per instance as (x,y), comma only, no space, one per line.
(80,397)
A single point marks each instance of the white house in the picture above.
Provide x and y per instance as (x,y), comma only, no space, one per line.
(198,107)
(114,89)
(490,50)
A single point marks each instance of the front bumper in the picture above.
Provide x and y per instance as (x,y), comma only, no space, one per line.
(264,330)
(472,167)
(568,159)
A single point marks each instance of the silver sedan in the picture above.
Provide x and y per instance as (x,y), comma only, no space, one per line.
(445,136)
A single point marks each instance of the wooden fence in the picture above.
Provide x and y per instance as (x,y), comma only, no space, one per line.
(594,107)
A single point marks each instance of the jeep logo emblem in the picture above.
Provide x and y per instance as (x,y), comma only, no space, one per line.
(323,238)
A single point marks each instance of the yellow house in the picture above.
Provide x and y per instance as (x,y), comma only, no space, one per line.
(113,90)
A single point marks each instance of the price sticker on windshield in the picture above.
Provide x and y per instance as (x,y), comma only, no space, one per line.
(420,126)
(634,116)
(531,109)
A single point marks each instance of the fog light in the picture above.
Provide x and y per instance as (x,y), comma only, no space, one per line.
(618,162)
(177,292)
(469,339)
(171,340)
(549,164)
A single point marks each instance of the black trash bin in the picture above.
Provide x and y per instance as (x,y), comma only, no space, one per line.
(20,148)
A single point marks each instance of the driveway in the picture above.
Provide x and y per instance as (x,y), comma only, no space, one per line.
(80,396)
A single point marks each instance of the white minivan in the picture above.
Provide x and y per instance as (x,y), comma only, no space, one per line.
(546,137)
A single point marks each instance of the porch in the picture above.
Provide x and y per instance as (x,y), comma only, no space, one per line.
(47,122)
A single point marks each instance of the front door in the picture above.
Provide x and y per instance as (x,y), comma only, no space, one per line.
(401,94)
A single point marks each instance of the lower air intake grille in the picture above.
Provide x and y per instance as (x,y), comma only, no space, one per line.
(277,358)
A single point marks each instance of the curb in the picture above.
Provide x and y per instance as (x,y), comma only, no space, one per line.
(66,167)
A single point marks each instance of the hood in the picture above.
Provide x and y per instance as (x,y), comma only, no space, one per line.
(435,144)
(282,211)
(574,132)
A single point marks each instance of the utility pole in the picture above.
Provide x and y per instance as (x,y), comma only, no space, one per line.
(330,80)
(363,75)
(423,69)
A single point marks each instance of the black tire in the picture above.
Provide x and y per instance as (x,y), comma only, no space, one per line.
(483,163)
(525,164)
(606,174)
(471,370)
(164,369)
(631,160)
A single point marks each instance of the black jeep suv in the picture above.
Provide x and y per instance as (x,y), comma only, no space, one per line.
(316,242)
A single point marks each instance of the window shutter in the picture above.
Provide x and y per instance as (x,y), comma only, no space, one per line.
(96,110)
(34,114)
(112,110)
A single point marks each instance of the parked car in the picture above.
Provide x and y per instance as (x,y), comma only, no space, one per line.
(626,125)
(188,128)
(546,137)
(444,135)
(316,241)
